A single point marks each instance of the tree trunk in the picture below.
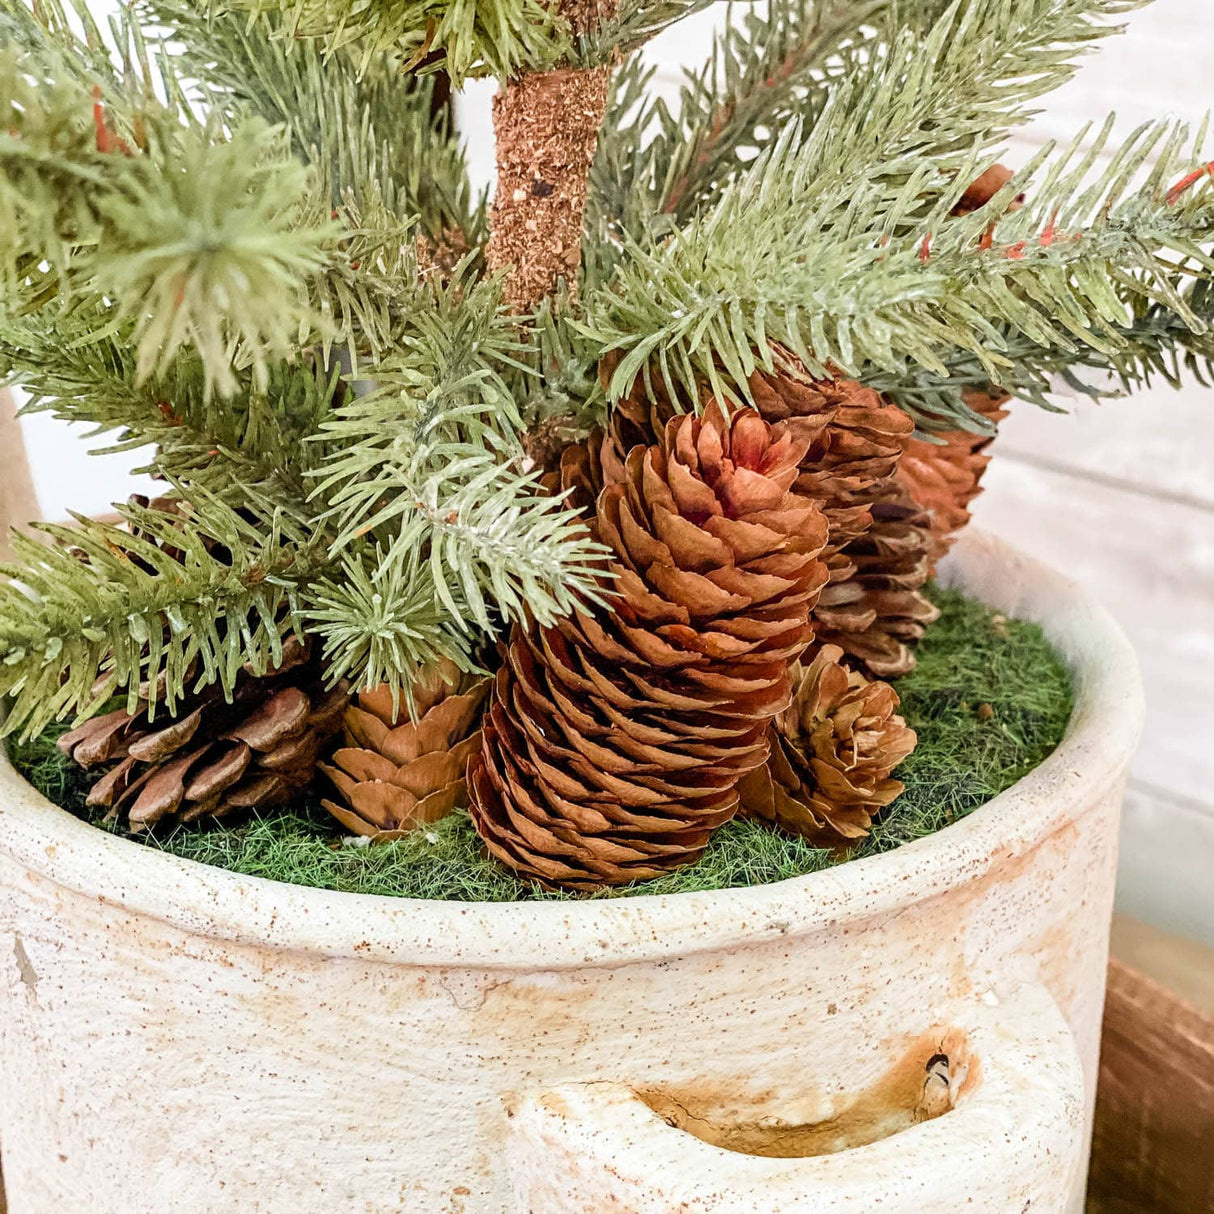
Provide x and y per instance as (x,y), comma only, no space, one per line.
(547,126)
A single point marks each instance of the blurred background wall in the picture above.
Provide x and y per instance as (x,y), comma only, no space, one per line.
(1120,496)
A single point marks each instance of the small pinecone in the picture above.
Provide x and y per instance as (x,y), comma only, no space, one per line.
(945,477)
(832,752)
(878,615)
(395,773)
(213,757)
(613,743)
(984,187)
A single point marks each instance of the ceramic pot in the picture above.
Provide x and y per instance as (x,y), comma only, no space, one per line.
(916,1031)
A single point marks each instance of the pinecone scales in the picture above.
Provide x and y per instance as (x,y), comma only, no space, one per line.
(214,756)
(832,755)
(855,442)
(880,548)
(880,612)
(395,773)
(613,742)
(944,477)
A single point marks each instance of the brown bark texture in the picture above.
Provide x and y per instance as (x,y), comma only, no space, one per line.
(1154,1103)
(547,126)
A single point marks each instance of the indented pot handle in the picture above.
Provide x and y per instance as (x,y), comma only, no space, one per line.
(1004,1131)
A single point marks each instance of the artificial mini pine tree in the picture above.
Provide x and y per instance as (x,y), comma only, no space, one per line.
(242,234)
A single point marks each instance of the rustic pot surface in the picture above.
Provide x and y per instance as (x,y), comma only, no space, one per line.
(178,1037)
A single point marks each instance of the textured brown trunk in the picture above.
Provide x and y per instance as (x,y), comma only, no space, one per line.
(547,127)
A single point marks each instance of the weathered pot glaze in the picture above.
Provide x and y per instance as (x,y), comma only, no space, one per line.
(179,1038)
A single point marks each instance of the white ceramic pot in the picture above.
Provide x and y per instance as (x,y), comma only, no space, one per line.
(916,1031)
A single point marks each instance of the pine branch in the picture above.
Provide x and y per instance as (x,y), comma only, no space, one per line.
(163,606)
(372,136)
(634,23)
(245,451)
(466,38)
(430,461)
(206,233)
(764,71)
(381,621)
(903,81)
(1155,344)
(198,242)
(81,368)
(844,270)
(562,377)
(445,383)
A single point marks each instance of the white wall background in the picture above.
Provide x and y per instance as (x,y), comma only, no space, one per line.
(1120,496)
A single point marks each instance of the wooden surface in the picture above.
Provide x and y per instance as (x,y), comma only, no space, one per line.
(1153,1147)
(17,501)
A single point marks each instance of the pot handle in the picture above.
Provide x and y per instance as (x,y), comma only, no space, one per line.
(1006,1132)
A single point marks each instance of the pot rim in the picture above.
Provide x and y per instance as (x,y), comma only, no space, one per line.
(1090,761)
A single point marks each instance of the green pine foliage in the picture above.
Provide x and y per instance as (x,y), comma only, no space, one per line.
(218,236)
(155,598)
(466,37)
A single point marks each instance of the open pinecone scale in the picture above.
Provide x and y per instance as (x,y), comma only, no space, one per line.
(213,756)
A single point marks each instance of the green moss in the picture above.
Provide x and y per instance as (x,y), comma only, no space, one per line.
(989,700)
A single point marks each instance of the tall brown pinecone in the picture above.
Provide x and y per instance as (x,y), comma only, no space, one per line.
(879,614)
(880,547)
(944,477)
(832,752)
(396,773)
(614,741)
(213,757)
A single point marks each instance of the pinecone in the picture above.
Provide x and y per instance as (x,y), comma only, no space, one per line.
(945,477)
(832,752)
(396,774)
(879,614)
(855,440)
(880,549)
(212,756)
(614,741)
(984,187)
